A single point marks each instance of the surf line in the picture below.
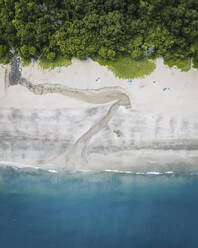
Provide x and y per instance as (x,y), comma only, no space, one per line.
(116,95)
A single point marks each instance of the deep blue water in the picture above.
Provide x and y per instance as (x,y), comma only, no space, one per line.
(41,209)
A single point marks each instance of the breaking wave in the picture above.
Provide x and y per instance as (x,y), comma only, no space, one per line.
(28,167)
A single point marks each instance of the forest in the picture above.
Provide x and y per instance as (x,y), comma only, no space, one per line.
(100,29)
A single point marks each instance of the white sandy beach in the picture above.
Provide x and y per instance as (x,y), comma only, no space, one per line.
(181,96)
(164,109)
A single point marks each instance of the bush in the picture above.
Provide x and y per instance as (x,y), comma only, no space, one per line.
(24,52)
(182,64)
(127,67)
(195,62)
(33,51)
(51,56)
(59,61)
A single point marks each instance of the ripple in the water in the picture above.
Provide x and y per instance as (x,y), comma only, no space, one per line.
(87,209)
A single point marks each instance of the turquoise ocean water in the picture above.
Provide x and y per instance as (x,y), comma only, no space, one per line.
(39,209)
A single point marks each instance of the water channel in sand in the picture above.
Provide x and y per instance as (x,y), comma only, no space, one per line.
(78,152)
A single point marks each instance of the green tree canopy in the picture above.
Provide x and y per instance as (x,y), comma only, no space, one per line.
(106,29)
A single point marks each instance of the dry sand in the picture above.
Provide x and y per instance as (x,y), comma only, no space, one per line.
(165,90)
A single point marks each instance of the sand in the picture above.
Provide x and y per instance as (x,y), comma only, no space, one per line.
(163,107)
(165,90)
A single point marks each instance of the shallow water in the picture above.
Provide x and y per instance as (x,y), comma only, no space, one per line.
(42,209)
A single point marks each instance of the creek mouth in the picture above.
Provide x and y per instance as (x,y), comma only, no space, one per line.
(116,95)
(78,151)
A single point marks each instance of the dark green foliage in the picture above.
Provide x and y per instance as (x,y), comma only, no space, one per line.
(4,55)
(106,29)
(195,62)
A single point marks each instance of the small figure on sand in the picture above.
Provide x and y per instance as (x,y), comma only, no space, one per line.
(130,81)
(58,69)
(164,89)
(98,79)
(117,132)
(33,61)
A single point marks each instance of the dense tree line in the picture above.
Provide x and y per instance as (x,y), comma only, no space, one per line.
(99,28)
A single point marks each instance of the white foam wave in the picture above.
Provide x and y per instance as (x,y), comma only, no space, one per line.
(118,171)
(154,173)
(53,171)
(149,173)
(84,170)
(17,165)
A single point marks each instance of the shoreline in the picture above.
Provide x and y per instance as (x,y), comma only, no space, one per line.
(129,162)
(31,169)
